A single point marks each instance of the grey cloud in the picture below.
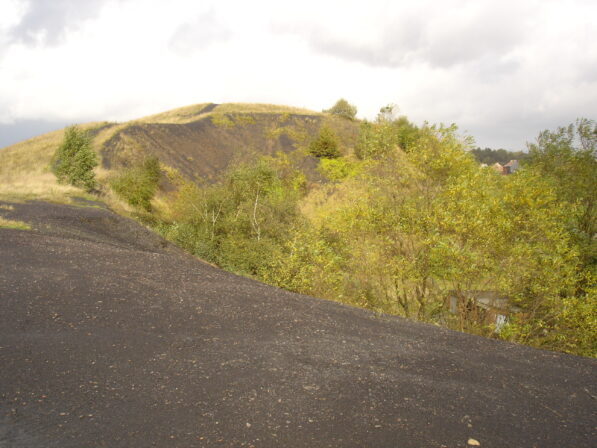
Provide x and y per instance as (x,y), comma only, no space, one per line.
(397,47)
(588,71)
(492,34)
(427,38)
(52,18)
(489,69)
(198,34)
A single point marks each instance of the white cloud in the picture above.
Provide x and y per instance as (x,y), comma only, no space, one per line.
(199,33)
(44,22)
(502,70)
(402,33)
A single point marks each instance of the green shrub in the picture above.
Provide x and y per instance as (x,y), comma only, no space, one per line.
(74,160)
(243,222)
(343,109)
(325,145)
(337,170)
(385,135)
(138,185)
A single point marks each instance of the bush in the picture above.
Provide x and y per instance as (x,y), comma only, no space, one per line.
(385,135)
(343,109)
(337,170)
(75,160)
(243,222)
(325,145)
(137,185)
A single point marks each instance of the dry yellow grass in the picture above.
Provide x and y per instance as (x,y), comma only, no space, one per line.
(193,112)
(25,169)
(36,186)
(256,108)
(25,172)
(35,154)
(30,156)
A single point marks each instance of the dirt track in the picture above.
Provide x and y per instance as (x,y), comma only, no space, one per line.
(111,338)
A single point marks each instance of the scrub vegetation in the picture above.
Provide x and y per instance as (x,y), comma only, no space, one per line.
(409,219)
(381,214)
(138,185)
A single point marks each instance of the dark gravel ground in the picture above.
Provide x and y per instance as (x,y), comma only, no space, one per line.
(110,337)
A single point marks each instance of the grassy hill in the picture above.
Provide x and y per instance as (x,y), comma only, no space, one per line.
(199,141)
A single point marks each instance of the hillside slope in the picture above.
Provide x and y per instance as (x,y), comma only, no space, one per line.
(198,141)
(111,337)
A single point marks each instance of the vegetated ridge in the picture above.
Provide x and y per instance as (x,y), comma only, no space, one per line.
(381,214)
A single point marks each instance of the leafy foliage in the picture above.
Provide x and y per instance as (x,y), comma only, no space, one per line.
(490,156)
(385,135)
(242,223)
(338,169)
(74,160)
(325,145)
(138,185)
(417,225)
(568,158)
(409,223)
(343,109)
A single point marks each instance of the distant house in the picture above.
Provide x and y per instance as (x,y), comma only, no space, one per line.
(508,168)
(498,167)
(490,307)
(511,167)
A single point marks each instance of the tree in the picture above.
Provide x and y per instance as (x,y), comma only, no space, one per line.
(387,133)
(74,160)
(343,109)
(325,145)
(568,157)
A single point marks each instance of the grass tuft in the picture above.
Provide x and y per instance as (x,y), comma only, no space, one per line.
(11,224)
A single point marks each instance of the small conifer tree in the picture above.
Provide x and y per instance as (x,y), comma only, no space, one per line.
(325,145)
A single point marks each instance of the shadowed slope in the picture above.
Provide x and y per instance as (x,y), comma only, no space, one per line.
(111,338)
(204,149)
(199,141)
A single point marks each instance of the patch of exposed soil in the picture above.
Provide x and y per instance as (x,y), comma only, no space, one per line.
(203,149)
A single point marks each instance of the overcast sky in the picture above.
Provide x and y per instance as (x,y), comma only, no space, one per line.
(501,70)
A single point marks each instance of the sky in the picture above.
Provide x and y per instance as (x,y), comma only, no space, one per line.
(501,70)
